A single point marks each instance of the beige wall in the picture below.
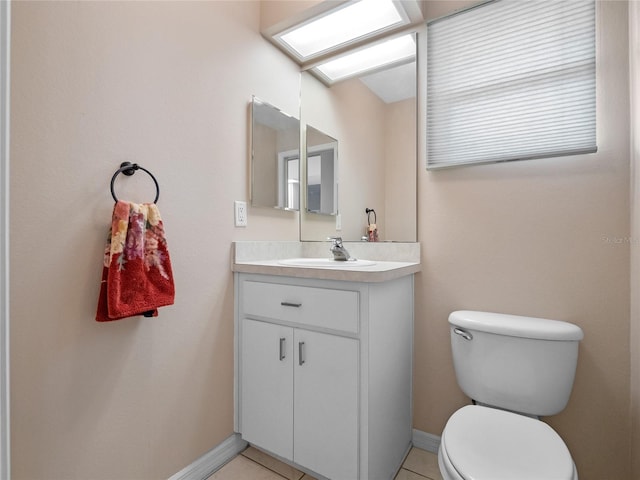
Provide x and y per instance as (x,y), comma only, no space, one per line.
(546,238)
(167,85)
(400,171)
(157,83)
(277,15)
(265,168)
(634,57)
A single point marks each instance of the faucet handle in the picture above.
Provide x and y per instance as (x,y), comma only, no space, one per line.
(339,252)
(337,241)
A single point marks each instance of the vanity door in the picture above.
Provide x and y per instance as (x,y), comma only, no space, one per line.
(267,386)
(326,404)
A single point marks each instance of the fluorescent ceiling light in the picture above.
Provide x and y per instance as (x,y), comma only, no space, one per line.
(355,21)
(396,50)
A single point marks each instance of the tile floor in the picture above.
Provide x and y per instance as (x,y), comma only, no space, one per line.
(252,464)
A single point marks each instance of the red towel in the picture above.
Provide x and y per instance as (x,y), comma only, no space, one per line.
(137,276)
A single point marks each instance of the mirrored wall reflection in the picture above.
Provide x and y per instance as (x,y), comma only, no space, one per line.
(322,172)
(374,119)
(275,157)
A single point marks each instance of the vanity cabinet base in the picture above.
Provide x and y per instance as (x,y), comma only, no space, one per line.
(335,402)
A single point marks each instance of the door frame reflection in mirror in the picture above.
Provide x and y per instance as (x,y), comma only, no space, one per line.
(326,195)
(275,140)
(289,180)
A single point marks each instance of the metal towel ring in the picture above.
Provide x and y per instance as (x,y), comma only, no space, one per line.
(369,211)
(129,169)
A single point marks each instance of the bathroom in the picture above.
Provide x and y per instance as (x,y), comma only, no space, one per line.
(168,85)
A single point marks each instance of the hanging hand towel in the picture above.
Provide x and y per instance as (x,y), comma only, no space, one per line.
(137,276)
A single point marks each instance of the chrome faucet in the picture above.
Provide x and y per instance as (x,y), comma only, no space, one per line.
(339,252)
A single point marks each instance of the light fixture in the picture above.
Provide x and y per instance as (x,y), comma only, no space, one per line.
(349,23)
(380,55)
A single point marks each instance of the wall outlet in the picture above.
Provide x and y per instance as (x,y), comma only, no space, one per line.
(240,213)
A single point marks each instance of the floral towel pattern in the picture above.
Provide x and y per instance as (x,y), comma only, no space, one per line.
(138,235)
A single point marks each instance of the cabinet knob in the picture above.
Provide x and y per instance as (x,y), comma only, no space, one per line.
(282,344)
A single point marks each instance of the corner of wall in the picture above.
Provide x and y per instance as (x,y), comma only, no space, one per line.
(634,81)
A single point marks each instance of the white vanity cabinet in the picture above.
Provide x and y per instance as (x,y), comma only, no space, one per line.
(323,372)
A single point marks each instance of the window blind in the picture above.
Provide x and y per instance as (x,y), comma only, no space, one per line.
(511,80)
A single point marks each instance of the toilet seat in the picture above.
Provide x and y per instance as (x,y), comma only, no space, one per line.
(482,443)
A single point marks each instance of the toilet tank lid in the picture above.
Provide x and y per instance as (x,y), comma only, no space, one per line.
(516,325)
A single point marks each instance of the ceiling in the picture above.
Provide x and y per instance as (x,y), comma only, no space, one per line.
(393,84)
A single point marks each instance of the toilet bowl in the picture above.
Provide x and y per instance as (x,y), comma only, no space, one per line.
(483,443)
(516,369)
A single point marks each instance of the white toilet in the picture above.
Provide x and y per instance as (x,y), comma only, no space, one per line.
(515,369)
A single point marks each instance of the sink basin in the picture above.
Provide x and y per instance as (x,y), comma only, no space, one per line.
(325,262)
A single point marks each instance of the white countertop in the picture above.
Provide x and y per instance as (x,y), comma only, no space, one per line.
(381,271)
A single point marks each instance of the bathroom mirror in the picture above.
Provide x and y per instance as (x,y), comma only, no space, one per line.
(321,172)
(275,157)
(374,118)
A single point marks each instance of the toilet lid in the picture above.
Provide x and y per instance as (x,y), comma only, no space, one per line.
(487,444)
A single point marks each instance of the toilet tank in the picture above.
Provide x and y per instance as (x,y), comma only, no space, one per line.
(516,363)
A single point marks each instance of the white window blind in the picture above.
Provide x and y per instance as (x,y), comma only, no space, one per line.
(511,80)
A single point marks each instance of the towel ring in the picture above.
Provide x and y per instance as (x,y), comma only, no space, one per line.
(129,169)
(369,211)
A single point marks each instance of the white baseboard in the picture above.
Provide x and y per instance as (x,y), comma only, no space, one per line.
(211,461)
(426,441)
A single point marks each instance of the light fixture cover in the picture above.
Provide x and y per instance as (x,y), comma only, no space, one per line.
(356,20)
(394,51)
